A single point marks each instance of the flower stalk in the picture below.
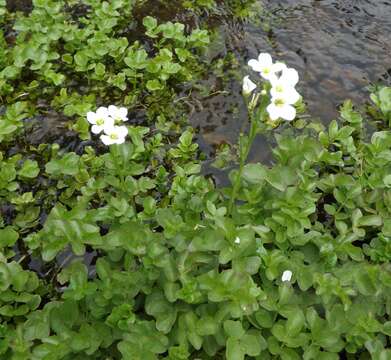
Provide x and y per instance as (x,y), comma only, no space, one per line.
(257,117)
(276,101)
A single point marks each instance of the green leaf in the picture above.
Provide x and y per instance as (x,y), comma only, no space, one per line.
(234,350)
(5,277)
(295,323)
(136,59)
(370,220)
(154,85)
(254,173)
(251,344)
(8,237)
(30,169)
(67,165)
(37,326)
(150,23)
(349,115)
(164,313)
(280,177)
(233,329)
(207,325)
(264,318)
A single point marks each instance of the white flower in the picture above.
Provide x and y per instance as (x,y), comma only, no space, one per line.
(99,120)
(266,67)
(290,76)
(283,89)
(118,114)
(281,108)
(114,135)
(248,85)
(286,276)
(237,240)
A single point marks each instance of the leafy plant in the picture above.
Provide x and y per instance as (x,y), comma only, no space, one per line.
(129,251)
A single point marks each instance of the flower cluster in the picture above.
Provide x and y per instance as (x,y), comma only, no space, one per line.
(282,81)
(106,121)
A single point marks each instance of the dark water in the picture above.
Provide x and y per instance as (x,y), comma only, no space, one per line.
(338,47)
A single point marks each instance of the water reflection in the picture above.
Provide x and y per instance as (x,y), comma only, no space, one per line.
(338,46)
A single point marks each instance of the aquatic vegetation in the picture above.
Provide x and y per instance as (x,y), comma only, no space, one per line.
(129,251)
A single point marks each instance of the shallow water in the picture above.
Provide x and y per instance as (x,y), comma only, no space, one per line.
(338,47)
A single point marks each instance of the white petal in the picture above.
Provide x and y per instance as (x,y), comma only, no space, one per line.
(96,129)
(102,112)
(273,91)
(273,111)
(113,111)
(287,93)
(107,140)
(287,275)
(288,112)
(278,88)
(270,76)
(123,112)
(290,76)
(255,65)
(265,59)
(121,131)
(120,140)
(108,125)
(248,85)
(279,66)
(291,96)
(91,117)
(275,81)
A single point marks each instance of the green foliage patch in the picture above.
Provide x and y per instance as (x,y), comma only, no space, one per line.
(131,252)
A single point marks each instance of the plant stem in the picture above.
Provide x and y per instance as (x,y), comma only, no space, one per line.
(244,150)
(118,169)
(256,119)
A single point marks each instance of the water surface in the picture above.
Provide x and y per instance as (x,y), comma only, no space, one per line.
(338,47)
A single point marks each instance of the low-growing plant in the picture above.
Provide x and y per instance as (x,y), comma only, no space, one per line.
(123,249)
(54,52)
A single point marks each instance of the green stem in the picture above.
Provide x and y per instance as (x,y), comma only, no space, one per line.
(244,150)
(256,118)
(118,169)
